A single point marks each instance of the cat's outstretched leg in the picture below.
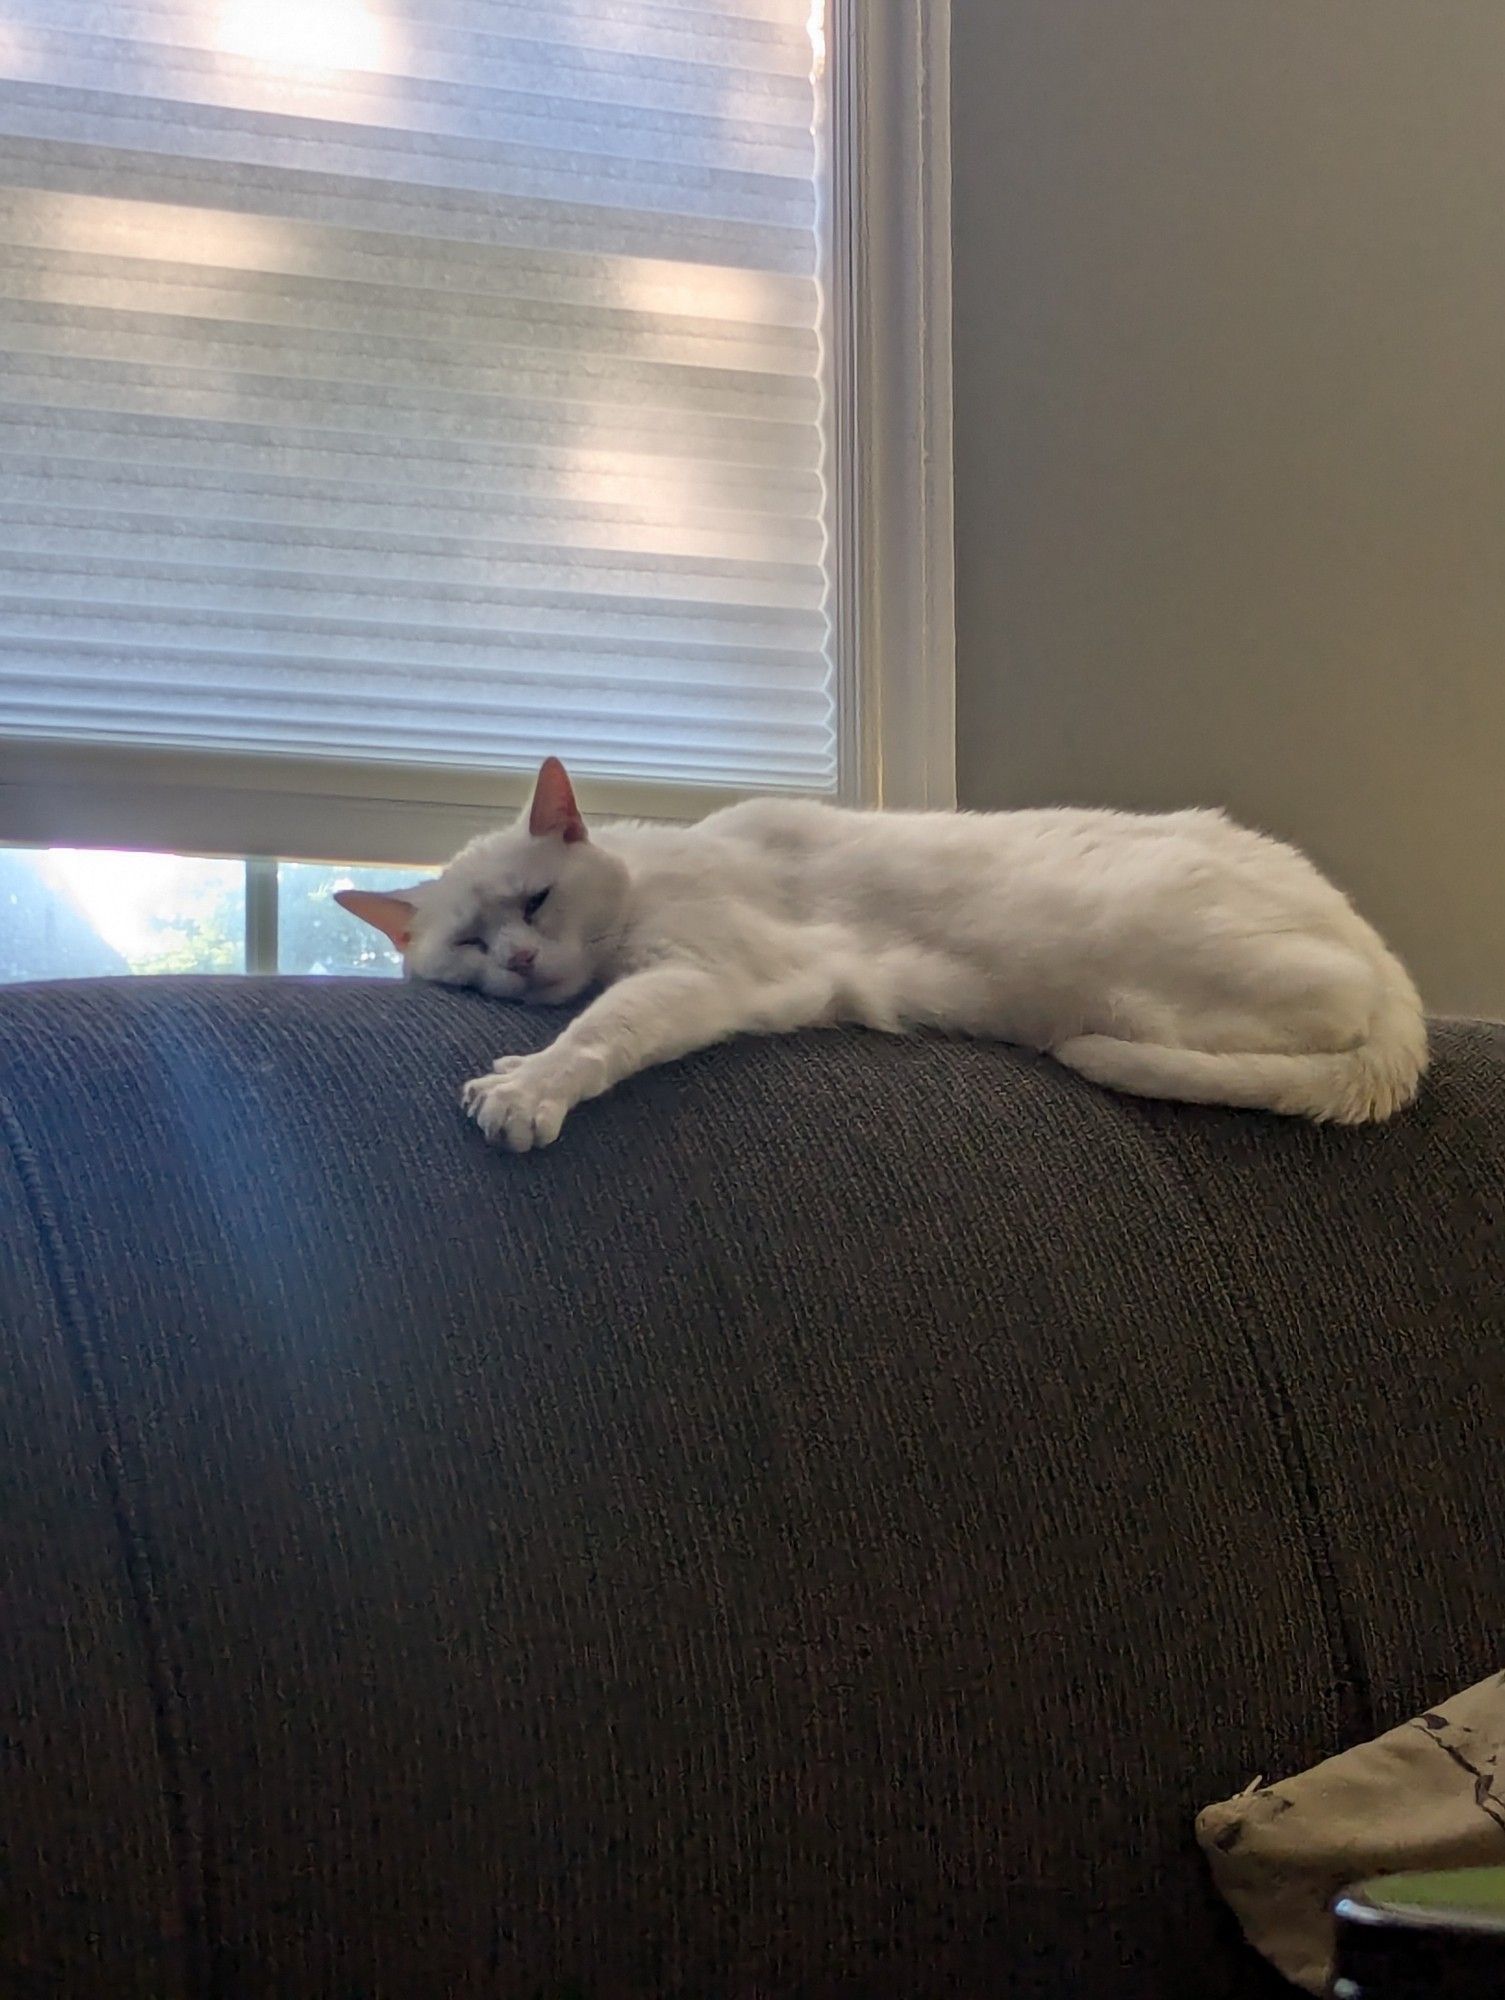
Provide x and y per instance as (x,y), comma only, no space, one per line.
(649,1017)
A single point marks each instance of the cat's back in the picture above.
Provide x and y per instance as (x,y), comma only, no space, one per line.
(808,844)
(1078,863)
(780,825)
(805,829)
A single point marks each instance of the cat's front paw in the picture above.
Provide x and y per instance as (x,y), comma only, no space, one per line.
(518,1102)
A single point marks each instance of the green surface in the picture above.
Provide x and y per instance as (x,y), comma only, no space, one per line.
(1468,1895)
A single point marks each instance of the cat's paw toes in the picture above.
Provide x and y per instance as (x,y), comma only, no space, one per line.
(514,1107)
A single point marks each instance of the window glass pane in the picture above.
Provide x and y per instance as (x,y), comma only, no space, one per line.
(69,913)
(315,935)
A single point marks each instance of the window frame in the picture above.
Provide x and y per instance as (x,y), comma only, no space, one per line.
(889,379)
(896,657)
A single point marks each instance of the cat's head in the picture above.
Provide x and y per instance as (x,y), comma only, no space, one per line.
(531,913)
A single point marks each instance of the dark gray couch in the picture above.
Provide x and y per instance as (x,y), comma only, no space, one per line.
(821,1529)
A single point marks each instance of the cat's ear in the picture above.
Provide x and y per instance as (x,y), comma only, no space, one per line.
(553,810)
(390,913)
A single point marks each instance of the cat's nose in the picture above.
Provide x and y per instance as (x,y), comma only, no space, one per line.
(522,959)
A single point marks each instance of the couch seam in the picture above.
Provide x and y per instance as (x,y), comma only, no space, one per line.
(163,1683)
(1355,1704)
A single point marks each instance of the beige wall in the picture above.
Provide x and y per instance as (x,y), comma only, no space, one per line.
(1230,400)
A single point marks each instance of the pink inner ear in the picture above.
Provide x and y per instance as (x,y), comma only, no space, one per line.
(391,915)
(554,810)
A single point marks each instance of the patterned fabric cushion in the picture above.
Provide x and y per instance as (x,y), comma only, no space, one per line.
(822,1528)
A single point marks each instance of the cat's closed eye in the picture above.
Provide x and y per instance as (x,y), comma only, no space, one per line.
(534,904)
(471,944)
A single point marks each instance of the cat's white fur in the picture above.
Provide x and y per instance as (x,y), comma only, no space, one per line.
(1171,955)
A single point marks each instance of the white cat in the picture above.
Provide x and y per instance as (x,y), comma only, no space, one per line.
(1170,955)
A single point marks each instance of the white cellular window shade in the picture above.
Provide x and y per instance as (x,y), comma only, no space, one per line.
(438,383)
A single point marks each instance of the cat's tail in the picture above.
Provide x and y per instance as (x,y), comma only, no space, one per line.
(1358,1086)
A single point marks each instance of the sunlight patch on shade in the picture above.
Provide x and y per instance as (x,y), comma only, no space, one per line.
(708,291)
(305,34)
(101,226)
(815,27)
(16,61)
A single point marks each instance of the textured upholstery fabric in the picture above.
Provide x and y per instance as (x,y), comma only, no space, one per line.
(822,1528)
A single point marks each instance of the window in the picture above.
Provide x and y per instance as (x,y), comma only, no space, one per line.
(398,390)
(71,914)
(74,913)
(313,934)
